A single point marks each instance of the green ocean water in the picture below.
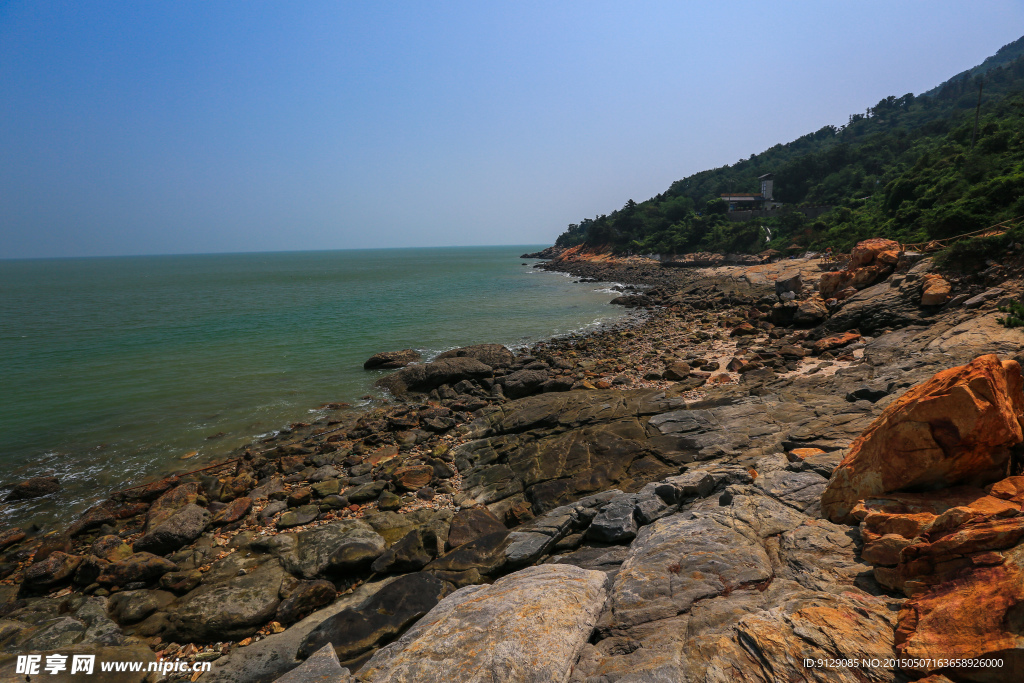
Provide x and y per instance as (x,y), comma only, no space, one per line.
(113,368)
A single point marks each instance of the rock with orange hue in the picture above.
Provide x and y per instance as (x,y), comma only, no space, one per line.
(834,342)
(233,511)
(868,275)
(956,428)
(935,290)
(845,293)
(869,250)
(889,257)
(974,615)
(921,539)
(1011,488)
(413,477)
(832,282)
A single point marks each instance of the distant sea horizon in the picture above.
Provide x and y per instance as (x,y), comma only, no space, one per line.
(118,367)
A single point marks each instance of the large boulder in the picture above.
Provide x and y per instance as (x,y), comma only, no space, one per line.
(232,603)
(423,378)
(524,382)
(33,488)
(529,626)
(471,524)
(789,282)
(140,567)
(874,249)
(391,359)
(956,428)
(494,355)
(832,282)
(170,502)
(935,290)
(330,549)
(184,526)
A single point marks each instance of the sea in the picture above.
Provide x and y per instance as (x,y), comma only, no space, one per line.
(115,371)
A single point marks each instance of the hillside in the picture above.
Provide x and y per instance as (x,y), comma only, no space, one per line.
(904,169)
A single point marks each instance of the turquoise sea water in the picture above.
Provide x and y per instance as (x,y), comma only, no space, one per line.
(113,368)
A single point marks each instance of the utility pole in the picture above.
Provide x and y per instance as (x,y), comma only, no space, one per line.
(977,114)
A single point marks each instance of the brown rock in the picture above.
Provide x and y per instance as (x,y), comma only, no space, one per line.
(166,505)
(834,342)
(975,615)
(54,569)
(471,524)
(743,329)
(935,291)
(832,282)
(11,536)
(956,428)
(110,548)
(34,488)
(1011,488)
(234,511)
(413,477)
(677,371)
(237,486)
(801,453)
(867,251)
(845,293)
(144,567)
(866,276)
(300,496)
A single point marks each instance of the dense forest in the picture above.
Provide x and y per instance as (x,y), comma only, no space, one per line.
(910,168)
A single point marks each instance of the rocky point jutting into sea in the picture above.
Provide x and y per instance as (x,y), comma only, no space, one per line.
(779,473)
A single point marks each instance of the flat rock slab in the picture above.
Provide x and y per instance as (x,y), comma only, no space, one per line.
(679,560)
(527,627)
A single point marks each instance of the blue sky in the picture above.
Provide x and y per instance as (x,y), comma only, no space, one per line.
(195,127)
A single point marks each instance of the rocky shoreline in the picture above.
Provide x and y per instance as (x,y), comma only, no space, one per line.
(652,502)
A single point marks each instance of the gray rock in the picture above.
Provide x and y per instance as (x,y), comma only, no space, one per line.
(524,382)
(227,604)
(181,528)
(391,359)
(616,523)
(272,508)
(802,490)
(301,515)
(527,547)
(327,550)
(528,627)
(984,297)
(650,506)
(679,560)
(265,660)
(365,492)
(321,667)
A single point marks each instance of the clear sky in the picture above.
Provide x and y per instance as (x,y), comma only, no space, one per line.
(192,127)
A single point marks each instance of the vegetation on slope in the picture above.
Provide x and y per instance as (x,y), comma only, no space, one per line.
(905,169)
